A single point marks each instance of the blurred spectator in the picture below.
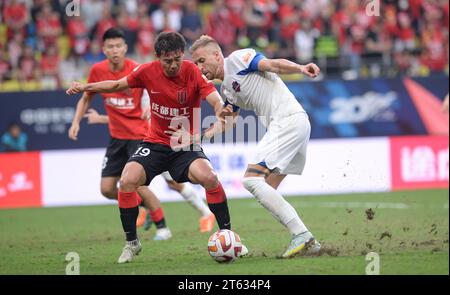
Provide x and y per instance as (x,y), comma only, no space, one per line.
(131,6)
(377,48)
(95,53)
(220,26)
(257,18)
(78,36)
(191,23)
(305,39)
(49,67)
(145,38)
(167,18)
(93,11)
(354,48)
(14,140)
(235,9)
(48,26)
(288,16)
(405,40)
(15,50)
(5,67)
(434,55)
(15,16)
(409,37)
(104,23)
(27,65)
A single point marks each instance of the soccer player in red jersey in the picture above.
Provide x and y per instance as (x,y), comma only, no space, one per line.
(207,219)
(126,125)
(176,87)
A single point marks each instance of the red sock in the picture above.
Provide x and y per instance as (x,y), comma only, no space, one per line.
(216,195)
(128,200)
(157,215)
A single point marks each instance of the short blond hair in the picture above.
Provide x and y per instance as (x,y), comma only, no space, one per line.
(203,41)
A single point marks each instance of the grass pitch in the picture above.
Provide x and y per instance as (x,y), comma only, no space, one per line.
(409,230)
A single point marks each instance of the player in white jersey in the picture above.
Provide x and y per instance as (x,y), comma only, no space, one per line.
(250,81)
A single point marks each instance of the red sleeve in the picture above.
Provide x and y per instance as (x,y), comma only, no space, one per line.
(136,78)
(205,86)
(92,77)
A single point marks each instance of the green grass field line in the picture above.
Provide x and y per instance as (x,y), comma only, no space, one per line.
(409,230)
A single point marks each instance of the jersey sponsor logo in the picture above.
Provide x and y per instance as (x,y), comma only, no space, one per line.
(246,57)
(154,92)
(123,103)
(236,86)
(167,112)
(182,96)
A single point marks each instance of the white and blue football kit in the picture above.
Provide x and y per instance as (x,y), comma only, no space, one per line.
(283,147)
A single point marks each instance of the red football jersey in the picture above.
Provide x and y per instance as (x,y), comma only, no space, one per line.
(172,99)
(123,108)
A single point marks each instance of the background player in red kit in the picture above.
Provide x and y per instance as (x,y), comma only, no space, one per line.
(176,87)
(125,124)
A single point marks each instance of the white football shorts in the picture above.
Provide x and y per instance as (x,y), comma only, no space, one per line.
(283,147)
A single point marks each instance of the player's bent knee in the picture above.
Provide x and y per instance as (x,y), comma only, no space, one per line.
(109,192)
(128,185)
(210,180)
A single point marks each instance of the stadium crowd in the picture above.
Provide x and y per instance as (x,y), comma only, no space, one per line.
(41,47)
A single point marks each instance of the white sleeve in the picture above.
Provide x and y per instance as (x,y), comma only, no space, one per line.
(245,60)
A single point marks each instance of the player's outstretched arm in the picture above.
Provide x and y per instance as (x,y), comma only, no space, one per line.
(93,117)
(284,66)
(99,87)
(82,106)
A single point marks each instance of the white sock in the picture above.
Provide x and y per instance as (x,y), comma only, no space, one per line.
(270,199)
(189,195)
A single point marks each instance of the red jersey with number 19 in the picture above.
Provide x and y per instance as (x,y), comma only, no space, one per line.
(123,108)
(173,99)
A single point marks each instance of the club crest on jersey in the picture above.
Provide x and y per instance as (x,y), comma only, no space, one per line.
(182,96)
(236,86)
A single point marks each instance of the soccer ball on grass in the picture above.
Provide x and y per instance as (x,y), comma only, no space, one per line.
(224,245)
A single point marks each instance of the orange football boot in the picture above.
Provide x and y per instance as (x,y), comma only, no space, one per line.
(207,223)
(141,218)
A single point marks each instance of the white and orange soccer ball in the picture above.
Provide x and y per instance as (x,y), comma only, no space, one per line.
(224,245)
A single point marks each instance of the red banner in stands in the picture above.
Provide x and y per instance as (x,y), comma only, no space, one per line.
(20,180)
(419,162)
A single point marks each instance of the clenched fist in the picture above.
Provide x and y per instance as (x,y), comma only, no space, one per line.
(76,87)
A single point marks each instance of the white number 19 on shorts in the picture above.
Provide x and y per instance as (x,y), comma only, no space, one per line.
(143,152)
